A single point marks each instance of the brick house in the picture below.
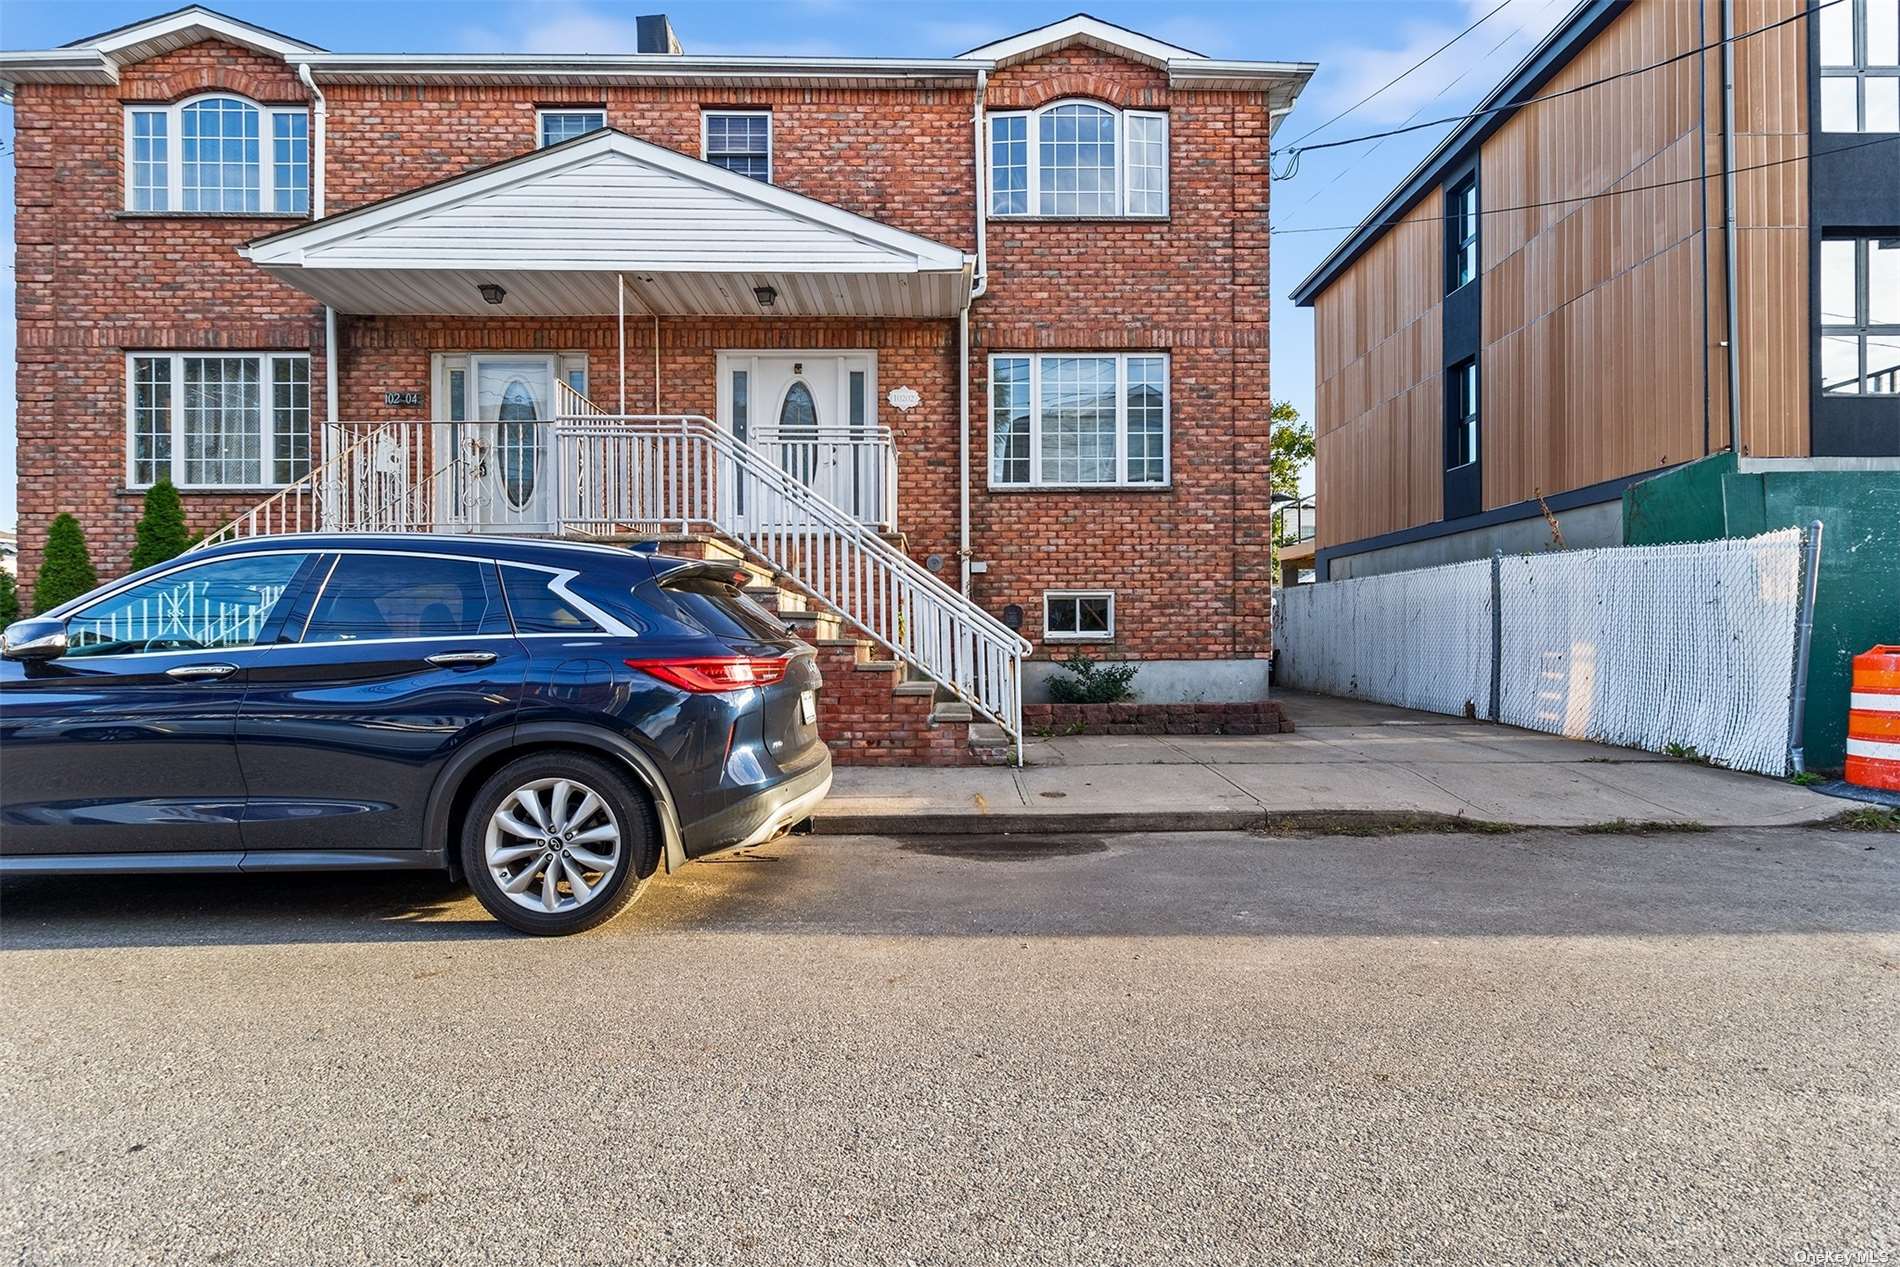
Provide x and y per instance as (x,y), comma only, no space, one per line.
(1001,319)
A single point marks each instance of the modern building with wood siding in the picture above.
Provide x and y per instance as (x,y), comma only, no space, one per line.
(1599,277)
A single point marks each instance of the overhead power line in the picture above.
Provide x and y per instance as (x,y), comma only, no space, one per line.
(1294,144)
(1798,16)
(1607,193)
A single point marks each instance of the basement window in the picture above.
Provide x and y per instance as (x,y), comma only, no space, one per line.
(1078,616)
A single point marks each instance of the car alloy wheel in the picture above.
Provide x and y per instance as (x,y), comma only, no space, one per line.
(552,845)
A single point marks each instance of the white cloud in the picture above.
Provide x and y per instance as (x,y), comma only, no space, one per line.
(1477,62)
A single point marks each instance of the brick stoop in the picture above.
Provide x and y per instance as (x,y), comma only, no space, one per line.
(869,710)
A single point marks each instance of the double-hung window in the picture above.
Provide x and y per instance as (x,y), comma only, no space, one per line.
(1078,159)
(218,420)
(564,125)
(1078,420)
(1461,233)
(1860,316)
(218,154)
(1461,432)
(1859,47)
(739,141)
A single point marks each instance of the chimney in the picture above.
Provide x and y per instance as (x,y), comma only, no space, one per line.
(656,35)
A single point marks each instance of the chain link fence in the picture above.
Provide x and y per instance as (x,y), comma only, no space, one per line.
(1664,648)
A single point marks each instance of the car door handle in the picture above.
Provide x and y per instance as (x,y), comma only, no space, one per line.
(197,672)
(459,659)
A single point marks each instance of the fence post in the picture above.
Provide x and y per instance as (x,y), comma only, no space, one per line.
(1804,643)
(1497,633)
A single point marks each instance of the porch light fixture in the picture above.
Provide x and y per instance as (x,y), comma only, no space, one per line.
(491,293)
(765,295)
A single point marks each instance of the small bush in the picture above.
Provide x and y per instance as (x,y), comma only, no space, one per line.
(1087,682)
(9,599)
(66,569)
(161,529)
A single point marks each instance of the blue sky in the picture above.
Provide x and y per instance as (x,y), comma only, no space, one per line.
(1359,45)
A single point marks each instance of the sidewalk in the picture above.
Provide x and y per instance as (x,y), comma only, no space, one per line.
(1347,755)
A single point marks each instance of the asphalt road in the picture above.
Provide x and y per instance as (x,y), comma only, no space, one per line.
(1178,1049)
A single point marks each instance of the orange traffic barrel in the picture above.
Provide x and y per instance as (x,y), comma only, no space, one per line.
(1873,720)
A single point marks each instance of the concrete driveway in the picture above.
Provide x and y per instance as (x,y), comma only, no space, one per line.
(1346,755)
(1220,1048)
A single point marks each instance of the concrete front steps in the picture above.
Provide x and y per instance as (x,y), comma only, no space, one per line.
(871,710)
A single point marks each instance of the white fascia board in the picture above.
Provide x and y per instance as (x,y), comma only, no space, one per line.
(56,66)
(401,66)
(127,44)
(290,248)
(1081,27)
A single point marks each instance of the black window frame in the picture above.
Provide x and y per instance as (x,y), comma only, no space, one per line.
(1464,393)
(1861,327)
(1462,237)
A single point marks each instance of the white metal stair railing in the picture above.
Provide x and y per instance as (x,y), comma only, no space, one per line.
(372,481)
(685,473)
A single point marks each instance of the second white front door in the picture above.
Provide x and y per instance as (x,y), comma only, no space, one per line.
(812,413)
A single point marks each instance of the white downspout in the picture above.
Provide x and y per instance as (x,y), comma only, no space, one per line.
(656,363)
(320,146)
(978,284)
(620,300)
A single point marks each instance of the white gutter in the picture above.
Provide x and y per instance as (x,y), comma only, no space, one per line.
(322,130)
(978,285)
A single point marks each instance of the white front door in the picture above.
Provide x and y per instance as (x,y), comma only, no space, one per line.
(814,415)
(498,409)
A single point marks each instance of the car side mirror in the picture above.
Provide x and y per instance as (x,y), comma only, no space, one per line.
(36,639)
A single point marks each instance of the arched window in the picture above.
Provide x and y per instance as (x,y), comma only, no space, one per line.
(798,432)
(218,153)
(1078,158)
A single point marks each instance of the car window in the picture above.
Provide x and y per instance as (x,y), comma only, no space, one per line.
(538,609)
(218,604)
(722,610)
(403,596)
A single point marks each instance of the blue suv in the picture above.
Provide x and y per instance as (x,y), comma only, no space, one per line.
(554,721)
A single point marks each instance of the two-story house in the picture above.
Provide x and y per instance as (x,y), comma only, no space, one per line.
(971,351)
(1672,231)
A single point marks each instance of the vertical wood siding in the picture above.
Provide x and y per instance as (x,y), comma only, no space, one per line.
(1378,415)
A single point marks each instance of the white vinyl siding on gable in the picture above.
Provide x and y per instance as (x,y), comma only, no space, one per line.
(218,154)
(1075,420)
(1078,159)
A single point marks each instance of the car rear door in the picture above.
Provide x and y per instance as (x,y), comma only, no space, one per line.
(399,660)
(126,744)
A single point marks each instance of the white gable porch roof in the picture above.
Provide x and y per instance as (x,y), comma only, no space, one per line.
(557,228)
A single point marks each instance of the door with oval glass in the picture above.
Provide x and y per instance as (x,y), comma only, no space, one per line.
(814,415)
(495,414)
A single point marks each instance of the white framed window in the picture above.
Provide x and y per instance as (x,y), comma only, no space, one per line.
(1860,316)
(218,153)
(1859,48)
(1079,420)
(217,420)
(1078,616)
(739,141)
(555,126)
(1078,159)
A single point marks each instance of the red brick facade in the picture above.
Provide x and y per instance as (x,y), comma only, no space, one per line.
(1189,563)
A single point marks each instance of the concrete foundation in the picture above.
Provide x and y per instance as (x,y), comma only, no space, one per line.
(1167,681)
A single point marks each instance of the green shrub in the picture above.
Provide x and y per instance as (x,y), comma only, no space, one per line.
(66,569)
(161,529)
(1087,682)
(9,599)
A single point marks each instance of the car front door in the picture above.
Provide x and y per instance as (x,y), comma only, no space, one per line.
(126,744)
(397,662)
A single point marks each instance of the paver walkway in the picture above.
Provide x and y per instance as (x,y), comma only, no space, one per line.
(1346,755)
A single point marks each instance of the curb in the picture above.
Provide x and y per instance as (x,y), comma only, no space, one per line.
(1341,822)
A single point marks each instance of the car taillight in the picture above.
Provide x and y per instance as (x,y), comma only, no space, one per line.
(709,675)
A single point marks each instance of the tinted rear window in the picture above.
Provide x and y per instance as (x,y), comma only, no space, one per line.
(723,610)
(538,609)
(401,596)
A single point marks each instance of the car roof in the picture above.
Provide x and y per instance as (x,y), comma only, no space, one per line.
(503,549)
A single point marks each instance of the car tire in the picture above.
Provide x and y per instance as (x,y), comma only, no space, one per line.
(567,802)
